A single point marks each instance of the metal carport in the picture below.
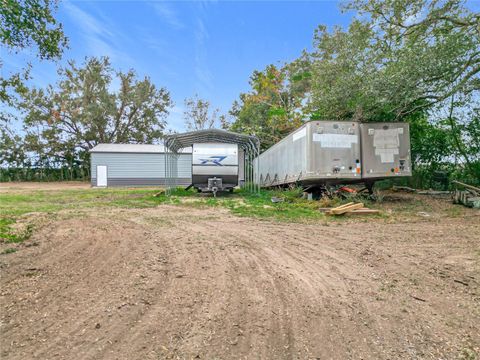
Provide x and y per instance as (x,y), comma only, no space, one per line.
(175,142)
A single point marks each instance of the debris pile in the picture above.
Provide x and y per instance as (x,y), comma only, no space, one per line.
(469,197)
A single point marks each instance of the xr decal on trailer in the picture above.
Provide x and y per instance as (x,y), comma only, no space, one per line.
(215,160)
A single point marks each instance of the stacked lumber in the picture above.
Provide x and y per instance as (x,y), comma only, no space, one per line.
(351,209)
(469,197)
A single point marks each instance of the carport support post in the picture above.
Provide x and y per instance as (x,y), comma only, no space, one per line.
(257,170)
(250,171)
(246,169)
(165,167)
(247,173)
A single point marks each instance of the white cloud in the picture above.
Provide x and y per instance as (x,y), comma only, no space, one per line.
(167,59)
(169,15)
(100,37)
(202,70)
(414,18)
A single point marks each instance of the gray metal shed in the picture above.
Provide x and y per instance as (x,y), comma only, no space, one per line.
(135,165)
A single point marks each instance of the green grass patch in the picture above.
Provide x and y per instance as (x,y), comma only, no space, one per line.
(290,207)
(8,251)
(241,202)
(9,235)
(13,205)
(5,229)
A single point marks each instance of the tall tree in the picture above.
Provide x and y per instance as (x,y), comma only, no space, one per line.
(273,107)
(29,24)
(82,110)
(399,57)
(199,115)
(403,60)
(12,150)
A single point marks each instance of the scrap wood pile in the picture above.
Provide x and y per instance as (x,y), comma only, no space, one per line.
(469,197)
(350,209)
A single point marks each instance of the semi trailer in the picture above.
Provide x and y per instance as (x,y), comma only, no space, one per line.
(323,153)
(319,152)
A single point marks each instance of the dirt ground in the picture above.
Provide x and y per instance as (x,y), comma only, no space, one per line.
(174,282)
(56,185)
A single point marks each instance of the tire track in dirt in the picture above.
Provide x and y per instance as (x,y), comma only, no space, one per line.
(180,283)
(281,274)
(82,272)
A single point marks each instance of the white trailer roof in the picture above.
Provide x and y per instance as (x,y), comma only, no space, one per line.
(132,148)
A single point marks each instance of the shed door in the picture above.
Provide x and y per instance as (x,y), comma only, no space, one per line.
(101,175)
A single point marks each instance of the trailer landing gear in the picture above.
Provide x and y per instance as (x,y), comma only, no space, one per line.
(369,186)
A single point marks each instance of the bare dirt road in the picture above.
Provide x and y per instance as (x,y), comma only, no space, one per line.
(182,283)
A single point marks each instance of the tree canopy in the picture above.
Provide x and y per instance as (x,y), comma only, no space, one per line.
(29,24)
(273,108)
(64,121)
(200,115)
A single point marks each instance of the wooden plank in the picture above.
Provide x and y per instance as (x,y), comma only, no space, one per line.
(363,212)
(342,206)
(433,192)
(471,187)
(345,209)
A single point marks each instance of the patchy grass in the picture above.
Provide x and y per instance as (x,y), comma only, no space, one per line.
(15,228)
(13,205)
(242,203)
(10,235)
(468,354)
(455,211)
(291,207)
(5,229)
(8,251)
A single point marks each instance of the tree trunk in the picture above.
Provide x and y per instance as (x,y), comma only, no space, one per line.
(457,141)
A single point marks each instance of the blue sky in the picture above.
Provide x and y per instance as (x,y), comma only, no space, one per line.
(208,48)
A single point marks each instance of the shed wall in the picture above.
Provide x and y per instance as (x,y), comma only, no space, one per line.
(138,169)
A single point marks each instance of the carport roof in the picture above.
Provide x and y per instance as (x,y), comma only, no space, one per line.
(176,142)
(131,148)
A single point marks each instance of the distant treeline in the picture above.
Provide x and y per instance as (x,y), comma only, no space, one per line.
(78,173)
